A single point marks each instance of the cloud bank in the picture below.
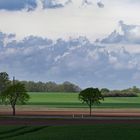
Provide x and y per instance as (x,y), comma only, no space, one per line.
(54,40)
(76,59)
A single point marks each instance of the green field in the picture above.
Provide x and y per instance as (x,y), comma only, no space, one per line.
(94,132)
(70,100)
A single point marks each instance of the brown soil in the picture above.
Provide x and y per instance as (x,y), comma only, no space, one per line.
(69,117)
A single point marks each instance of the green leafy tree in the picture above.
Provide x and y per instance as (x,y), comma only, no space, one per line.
(4,81)
(105,90)
(135,89)
(90,96)
(15,94)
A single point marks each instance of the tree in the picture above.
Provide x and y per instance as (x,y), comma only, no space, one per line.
(105,90)
(15,94)
(4,81)
(135,89)
(70,87)
(90,96)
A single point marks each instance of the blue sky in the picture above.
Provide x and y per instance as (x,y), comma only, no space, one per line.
(88,42)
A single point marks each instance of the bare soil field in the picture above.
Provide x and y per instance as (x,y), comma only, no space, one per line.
(63,116)
(65,112)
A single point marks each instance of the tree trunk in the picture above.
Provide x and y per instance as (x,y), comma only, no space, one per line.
(90,109)
(14,110)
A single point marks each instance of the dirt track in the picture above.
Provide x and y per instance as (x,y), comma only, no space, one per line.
(70,117)
(101,113)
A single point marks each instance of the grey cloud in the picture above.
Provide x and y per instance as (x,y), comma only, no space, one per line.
(129,34)
(91,2)
(55,4)
(86,2)
(77,60)
(100,4)
(52,4)
(14,5)
(4,38)
(30,5)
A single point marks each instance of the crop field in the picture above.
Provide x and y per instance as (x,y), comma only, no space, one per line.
(70,100)
(82,132)
(23,129)
(42,103)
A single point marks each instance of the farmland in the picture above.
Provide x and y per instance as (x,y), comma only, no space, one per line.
(70,100)
(71,129)
(85,132)
(42,103)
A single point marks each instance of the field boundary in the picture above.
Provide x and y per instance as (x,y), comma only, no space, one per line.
(73,113)
(69,121)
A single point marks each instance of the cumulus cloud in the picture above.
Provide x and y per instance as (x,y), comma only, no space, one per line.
(128,34)
(5,38)
(111,62)
(76,59)
(69,20)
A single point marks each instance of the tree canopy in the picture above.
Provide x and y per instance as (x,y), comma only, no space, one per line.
(90,96)
(32,86)
(15,94)
(4,81)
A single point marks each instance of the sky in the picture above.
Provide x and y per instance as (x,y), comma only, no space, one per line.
(88,42)
(72,19)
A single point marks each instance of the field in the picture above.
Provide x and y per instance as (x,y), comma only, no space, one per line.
(112,127)
(70,100)
(83,132)
(69,104)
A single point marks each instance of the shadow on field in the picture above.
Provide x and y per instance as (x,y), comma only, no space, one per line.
(20,131)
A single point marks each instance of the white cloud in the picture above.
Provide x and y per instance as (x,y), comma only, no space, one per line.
(75,60)
(127,34)
(72,20)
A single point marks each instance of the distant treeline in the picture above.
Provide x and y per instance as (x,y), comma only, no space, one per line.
(32,86)
(130,92)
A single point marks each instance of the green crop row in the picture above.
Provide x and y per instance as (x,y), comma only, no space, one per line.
(96,132)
